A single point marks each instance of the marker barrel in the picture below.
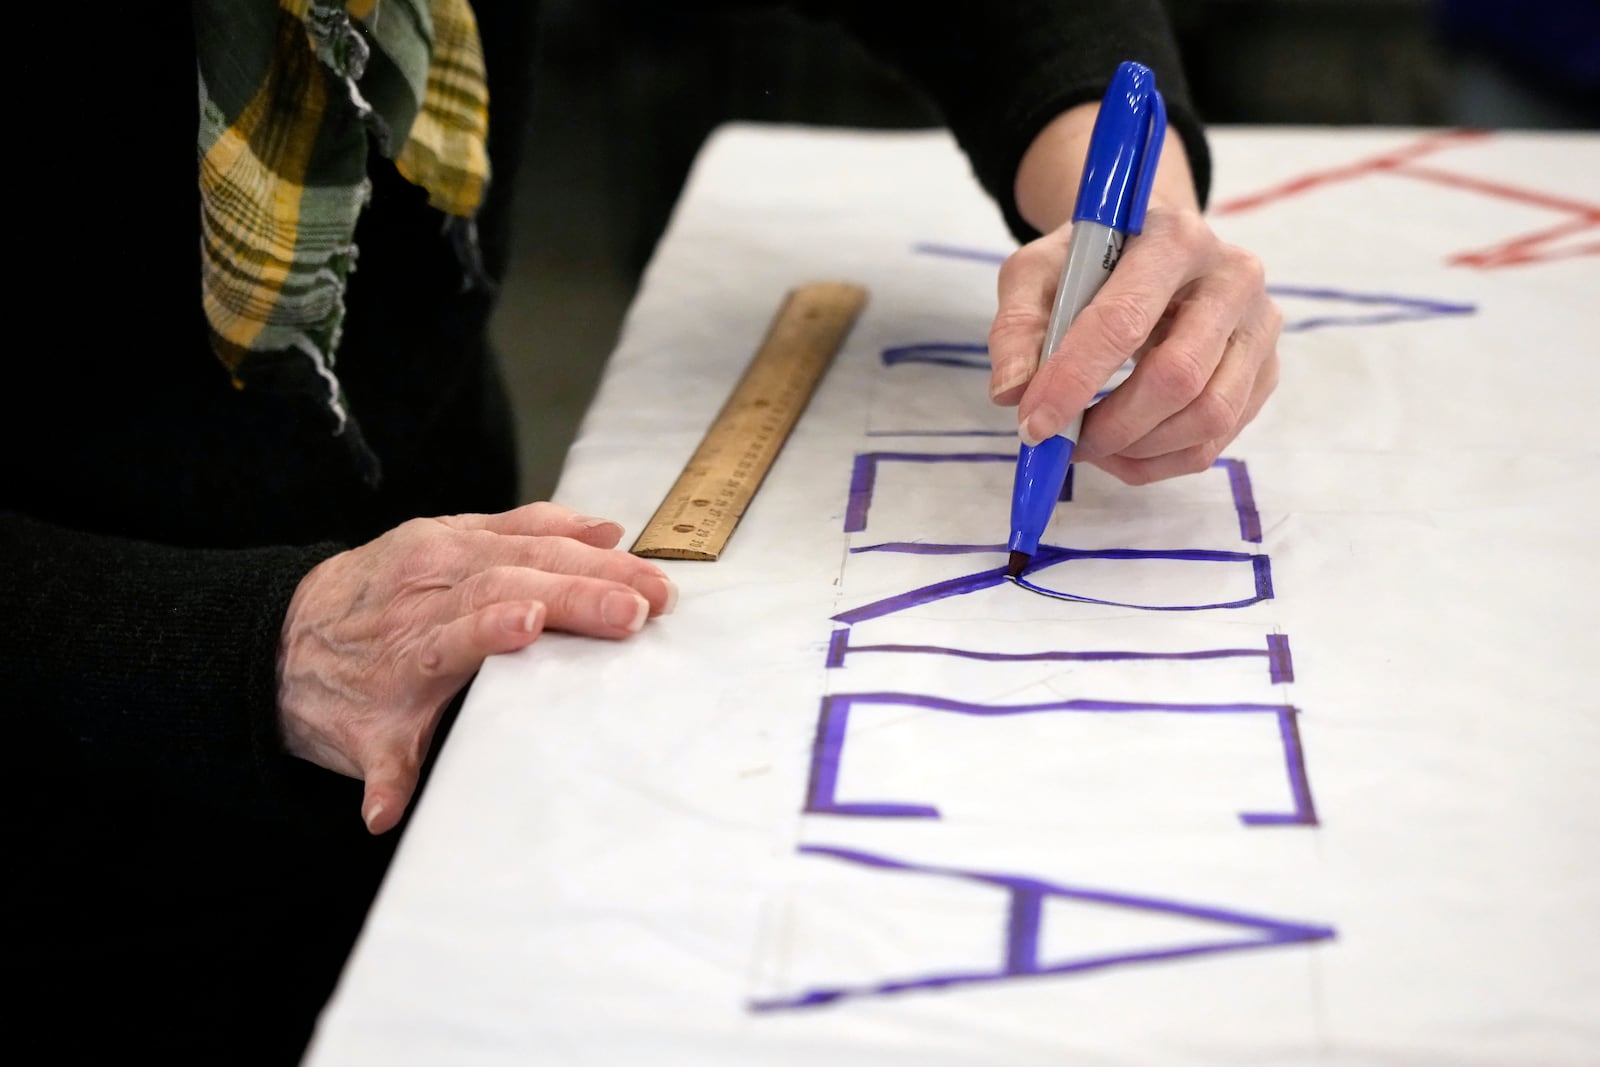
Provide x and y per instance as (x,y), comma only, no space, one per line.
(1092,251)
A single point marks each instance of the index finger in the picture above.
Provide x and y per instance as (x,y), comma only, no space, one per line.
(543,519)
(478,552)
(1109,330)
(1026,287)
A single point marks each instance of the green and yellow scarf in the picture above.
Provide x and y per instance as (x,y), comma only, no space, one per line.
(292,92)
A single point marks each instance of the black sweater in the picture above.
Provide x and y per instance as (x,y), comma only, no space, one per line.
(154,521)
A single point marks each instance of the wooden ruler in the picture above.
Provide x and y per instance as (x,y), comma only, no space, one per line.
(698,515)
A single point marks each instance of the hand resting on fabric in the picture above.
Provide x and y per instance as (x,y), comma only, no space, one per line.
(378,639)
(1191,311)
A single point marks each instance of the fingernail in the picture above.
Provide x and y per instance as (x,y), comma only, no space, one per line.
(1036,428)
(589,523)
(657,588)
(370,816)
(626,611)
(1014,375)
(533,619)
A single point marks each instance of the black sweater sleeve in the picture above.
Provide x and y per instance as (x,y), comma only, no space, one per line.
(163,664)
(1000,72)
(154,520)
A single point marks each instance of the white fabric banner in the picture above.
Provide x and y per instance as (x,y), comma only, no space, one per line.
(1304,773)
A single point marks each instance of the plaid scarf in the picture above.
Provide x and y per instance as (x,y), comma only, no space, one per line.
(290,93)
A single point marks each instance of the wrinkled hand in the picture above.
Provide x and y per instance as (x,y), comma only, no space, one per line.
(378,639)
(1193,312)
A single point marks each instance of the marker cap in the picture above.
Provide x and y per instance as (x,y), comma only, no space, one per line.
(1123,151)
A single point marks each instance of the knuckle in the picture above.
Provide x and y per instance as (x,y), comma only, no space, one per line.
(542,513)
(1191,231)
(1013,265)
(538,551)
(1269,372)
(1274,321)
(430,665)
(1107,431)
(1248,266)
(1122,322)
(1180,373)
(430,654)
(550,517)
(1137,473)
(1216,414)
(573,599)
(469,595)
(486,587)
(1068,383)
(432,557)
(1014,325)
(423,564)
(415,528)
(1200,458)
(1258,333)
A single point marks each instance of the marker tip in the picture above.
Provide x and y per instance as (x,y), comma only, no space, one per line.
(1018,561)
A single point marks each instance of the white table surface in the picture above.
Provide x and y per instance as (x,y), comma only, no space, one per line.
(1377,845)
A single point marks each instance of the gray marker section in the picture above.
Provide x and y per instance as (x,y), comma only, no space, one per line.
(1092,252)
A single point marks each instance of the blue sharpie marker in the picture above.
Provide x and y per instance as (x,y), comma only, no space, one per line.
(1112,196)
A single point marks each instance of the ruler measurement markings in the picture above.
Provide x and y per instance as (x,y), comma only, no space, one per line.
(697,516)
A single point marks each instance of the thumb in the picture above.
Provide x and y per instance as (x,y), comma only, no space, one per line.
(390,785)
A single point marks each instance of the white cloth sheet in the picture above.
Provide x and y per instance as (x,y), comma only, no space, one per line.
(1307,776)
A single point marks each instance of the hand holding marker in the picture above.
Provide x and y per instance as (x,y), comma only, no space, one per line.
(1112,196)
